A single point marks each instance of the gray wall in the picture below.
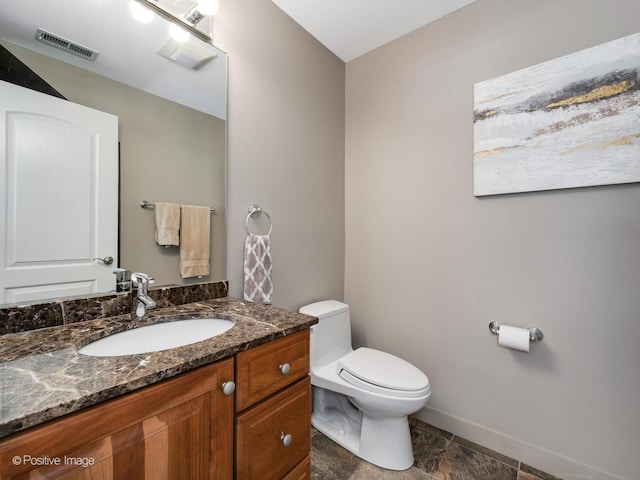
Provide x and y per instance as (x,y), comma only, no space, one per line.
(286,149)
(428,265)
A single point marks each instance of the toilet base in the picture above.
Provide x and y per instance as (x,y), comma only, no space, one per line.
(383,441)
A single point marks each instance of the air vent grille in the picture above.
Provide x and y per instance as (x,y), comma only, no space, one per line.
(66,45)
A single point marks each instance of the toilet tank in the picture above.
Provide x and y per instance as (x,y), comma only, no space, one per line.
(331,336)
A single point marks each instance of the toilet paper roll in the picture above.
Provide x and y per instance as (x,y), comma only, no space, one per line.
(514,337)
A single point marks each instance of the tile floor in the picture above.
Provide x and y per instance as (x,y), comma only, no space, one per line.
(439,455)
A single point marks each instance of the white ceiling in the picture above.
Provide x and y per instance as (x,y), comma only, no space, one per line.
(350,28)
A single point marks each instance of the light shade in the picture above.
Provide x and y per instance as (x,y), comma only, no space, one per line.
(178,33)
(140,12)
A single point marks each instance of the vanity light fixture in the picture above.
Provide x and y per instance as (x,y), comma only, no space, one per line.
(187,21)
(140,12)
(194,15)
(201,9)
(178,33)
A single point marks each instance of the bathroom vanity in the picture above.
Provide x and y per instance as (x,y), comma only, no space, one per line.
(273,405)
(170,414)
(182,426)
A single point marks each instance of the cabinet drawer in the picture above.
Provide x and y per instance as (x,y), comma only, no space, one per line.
(261,453)
(266,369)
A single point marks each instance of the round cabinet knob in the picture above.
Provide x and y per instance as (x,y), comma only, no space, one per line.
(228,388)
(285,369)
(286,439)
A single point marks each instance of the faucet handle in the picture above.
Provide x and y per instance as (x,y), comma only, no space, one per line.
(142,278)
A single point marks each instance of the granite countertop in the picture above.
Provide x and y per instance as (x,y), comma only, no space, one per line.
(42,375)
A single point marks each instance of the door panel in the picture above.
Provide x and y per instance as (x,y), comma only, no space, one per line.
(58,211)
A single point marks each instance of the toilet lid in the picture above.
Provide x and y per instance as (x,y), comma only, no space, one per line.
(382,370)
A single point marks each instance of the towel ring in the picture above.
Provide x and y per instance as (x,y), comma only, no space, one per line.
(253,211)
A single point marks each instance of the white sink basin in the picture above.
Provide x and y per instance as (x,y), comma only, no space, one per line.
(154,338)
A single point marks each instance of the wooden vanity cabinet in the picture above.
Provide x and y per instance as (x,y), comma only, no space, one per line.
(273,410)
(183,428)
(179,429)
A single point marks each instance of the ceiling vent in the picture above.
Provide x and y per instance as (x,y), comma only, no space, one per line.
(190,54)
(66,45)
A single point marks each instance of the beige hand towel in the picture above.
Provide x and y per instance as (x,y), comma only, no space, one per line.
(195,241)
(167,224)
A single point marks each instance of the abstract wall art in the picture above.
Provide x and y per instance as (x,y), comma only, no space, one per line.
(570,122)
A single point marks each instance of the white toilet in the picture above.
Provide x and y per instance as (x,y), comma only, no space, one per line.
(362,397)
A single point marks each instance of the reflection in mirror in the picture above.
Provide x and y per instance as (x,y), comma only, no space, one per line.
(170,102)
(186,16)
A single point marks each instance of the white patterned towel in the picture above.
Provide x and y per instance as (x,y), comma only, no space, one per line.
(258,287)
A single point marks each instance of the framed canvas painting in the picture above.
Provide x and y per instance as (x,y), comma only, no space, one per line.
(570,122)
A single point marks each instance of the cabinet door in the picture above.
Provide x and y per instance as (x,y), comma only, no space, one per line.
(262,451)
(178,429)
(301,472)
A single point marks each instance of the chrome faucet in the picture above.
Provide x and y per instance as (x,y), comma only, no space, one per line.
(142,300)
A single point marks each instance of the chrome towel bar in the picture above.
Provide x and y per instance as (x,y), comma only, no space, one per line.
(151,206)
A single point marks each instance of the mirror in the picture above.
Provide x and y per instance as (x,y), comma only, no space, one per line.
(171,109)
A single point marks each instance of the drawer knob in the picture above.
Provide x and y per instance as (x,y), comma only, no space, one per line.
(285,369)
(286,439)
(228,388)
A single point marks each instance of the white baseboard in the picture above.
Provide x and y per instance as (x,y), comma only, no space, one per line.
(536,457)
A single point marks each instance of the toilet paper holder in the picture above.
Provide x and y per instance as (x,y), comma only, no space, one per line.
(535,334)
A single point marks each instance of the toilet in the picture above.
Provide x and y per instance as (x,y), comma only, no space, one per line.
(362,397)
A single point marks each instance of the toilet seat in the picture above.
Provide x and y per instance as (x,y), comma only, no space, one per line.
(382,373)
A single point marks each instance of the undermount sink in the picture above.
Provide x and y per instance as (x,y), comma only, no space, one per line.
(154,338)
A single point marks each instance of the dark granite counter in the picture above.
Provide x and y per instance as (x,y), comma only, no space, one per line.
(42,375)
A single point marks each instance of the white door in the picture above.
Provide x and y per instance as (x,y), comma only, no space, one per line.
(58,197)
